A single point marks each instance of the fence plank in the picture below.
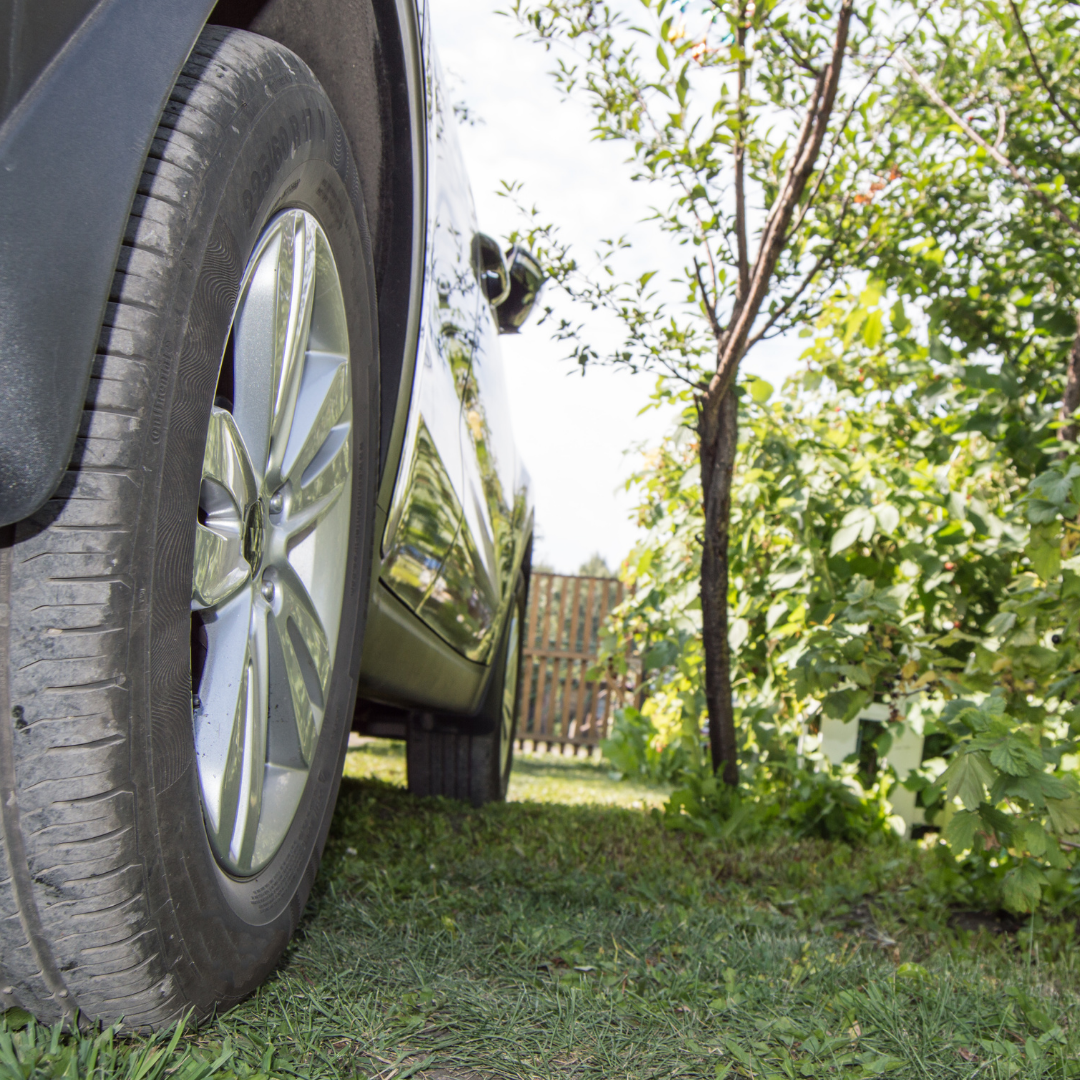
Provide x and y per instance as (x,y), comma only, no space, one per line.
(560,706)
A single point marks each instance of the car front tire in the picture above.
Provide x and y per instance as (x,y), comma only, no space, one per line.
(149,863)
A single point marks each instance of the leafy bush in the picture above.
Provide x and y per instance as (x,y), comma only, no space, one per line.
(637,748)
(885,550)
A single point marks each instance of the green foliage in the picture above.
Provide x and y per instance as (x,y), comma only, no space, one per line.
(903,526)
(685,90)
(637,748)
(31,1051)
(885,550)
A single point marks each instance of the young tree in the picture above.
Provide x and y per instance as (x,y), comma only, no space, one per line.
(744,118)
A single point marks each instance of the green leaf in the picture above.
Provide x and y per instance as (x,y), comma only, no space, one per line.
(1064,814)
(960,832)
(1001,623)
(1053,787)
(847,534)
(1016,757)
(1045,558)
(1053,486)
(16,1018)
(1033,837)
(967,777)
(760,390)
(1040,512)
(888,517)
(1022,887)
(871,329)
(661,55)
(914,972)
(845,704)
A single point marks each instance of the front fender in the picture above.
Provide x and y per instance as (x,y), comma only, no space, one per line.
(71,154)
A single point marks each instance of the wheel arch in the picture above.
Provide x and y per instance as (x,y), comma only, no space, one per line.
(368,56)
(76,141)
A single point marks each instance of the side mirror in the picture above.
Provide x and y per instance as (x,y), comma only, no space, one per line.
(526,280)
(490,268)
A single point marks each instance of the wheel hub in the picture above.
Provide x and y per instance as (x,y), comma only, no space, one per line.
(253,536)
(271,544)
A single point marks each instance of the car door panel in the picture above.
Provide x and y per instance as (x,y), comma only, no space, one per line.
(453,538)
(426,511)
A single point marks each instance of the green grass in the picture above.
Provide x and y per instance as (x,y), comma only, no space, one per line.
(536,777)
(534,939)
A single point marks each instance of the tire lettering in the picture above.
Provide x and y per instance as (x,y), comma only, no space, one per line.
(334,208)
(283,144)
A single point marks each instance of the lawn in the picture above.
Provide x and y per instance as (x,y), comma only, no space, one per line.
(564,935)
(548,778)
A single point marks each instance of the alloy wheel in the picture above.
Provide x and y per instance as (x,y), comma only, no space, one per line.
(271,543)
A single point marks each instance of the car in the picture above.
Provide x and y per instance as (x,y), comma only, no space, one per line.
(258,483)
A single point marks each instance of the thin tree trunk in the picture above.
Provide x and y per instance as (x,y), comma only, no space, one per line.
(719,435)
(718,405)
(1071,401)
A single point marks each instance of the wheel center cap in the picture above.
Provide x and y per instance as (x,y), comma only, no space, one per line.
(253,536)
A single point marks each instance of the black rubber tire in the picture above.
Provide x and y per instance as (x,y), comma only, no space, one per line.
(445,757)
(111,902)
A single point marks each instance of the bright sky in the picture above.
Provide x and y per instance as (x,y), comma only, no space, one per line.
(578,434)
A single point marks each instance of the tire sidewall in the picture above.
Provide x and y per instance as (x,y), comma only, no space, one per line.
(221,935)
(518,608)
(498,778)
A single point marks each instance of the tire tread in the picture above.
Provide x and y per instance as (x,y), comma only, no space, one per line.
(85,937)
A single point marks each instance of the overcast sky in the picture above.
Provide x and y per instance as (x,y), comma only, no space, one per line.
(577,434)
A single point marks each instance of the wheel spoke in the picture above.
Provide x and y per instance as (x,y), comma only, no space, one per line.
(272,543)
(323,398)
(253,702)
(228,488)
(307,657)
(226,462)
(230,727)
(311,503)
(219,731)
(220,567)
(295,293)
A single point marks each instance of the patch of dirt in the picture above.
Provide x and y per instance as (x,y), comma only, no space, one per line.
(860,919)
(997,922)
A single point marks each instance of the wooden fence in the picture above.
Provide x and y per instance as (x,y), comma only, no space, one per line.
(559,705)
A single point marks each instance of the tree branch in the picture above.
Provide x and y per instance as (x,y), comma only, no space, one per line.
(740,163)
(1070,402)
(710,310)
(799,58)
(1039,71)
(976,138)
(842,126)
(811,136)
(787,305)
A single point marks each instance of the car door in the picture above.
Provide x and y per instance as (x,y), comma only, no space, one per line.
(426,510)
(494,509)
(454,529)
